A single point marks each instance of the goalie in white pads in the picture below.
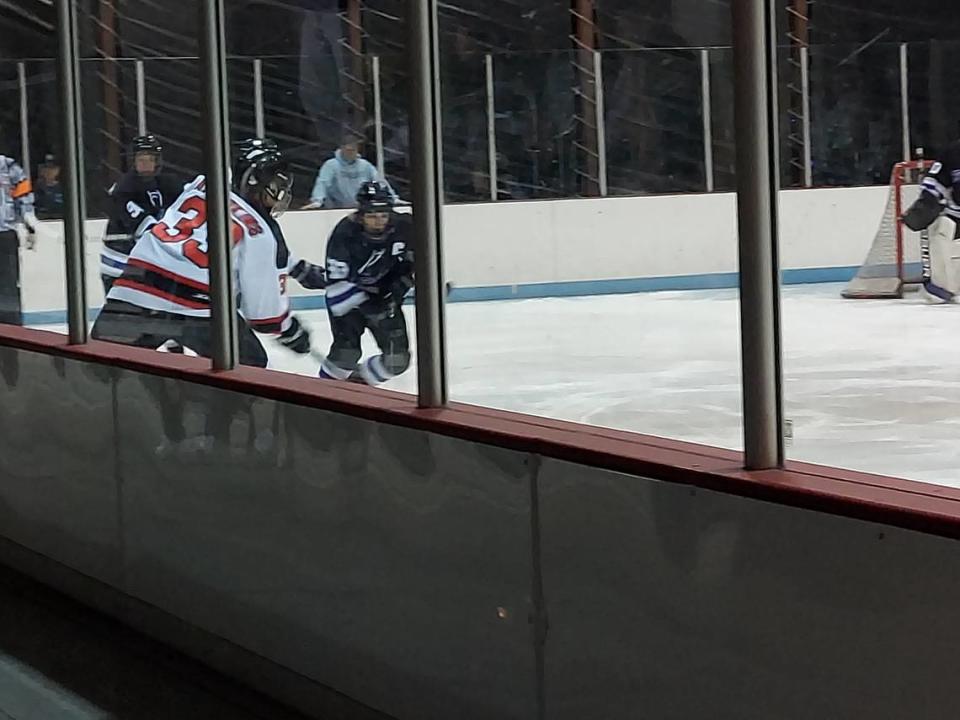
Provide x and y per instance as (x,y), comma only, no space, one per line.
(164,292)
(937,211)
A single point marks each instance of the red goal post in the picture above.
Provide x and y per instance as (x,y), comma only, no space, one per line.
(886,270)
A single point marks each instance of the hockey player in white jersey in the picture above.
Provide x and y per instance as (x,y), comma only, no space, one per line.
(164,293)
(937,210)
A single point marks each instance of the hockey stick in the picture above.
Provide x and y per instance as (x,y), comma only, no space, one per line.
(924,256)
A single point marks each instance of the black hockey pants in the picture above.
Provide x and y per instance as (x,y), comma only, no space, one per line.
(127,324)
(389,329)
(10,312)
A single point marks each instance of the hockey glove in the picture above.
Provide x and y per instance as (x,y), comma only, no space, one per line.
(296,337)
(397,291)
(310,276)
(27,236)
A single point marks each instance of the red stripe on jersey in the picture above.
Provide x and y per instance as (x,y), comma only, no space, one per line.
(156,292)
(269,323)
(195,284)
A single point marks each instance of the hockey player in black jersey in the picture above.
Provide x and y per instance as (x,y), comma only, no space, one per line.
(369,272)
(938,211)
(138,198)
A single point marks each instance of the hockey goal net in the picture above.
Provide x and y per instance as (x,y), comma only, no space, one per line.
(893,259)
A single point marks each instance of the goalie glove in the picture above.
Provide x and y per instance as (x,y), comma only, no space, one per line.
(295,337)
(310,276)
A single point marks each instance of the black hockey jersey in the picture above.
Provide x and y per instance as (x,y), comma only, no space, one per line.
(940,191)
(134,198)
(360,267)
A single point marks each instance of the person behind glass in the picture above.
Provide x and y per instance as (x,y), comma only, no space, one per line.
(48,191)
(369,271)
(163,296)
(18,225)
(341,177)
(138,198)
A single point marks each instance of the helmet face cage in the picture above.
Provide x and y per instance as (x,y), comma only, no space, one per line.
(262,173)
(280,189)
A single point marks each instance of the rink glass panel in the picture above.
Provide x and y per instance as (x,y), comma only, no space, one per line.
(855,114)
(934,102)
(654,121)
(317,85)
(535,125)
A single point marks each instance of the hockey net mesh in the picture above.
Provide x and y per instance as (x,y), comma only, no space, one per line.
(884,272)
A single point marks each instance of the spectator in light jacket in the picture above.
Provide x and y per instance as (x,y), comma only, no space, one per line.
(341,176)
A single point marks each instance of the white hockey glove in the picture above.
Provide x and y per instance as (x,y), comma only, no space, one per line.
(27,236)
(30,220)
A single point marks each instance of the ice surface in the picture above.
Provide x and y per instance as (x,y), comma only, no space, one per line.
(869,385)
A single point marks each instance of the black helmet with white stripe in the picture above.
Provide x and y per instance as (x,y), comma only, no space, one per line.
(374,196)
(261,175)
(146,154)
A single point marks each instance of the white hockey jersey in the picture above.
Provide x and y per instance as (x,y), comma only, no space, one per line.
(168,269)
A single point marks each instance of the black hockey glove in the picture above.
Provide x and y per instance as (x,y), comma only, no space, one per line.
(397,291)
(296,337)
(310,276)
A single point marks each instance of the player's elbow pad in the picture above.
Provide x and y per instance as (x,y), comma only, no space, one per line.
(923,212)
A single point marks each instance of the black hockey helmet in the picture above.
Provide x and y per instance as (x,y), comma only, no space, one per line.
(374,196)
(261,175)
(146,145)
(374,208)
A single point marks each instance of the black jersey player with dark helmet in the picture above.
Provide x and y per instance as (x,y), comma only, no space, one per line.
(137,198)
(369,272)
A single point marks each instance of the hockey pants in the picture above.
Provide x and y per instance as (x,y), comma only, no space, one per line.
(127,324)
(10,312)
(389,330)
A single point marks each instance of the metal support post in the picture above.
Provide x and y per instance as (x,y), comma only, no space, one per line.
(707,118)
(805,88)
(378,116)
(905,101)
(426,184)
(141,99)
(258,117)
(601,124)
(758,179)
(491,128)
(24,119)
(74,202)
(216,155)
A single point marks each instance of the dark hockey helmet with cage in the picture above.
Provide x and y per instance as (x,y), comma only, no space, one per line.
(374,196)
(262,176)
(147,145)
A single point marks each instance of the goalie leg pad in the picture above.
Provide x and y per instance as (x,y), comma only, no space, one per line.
(942,280)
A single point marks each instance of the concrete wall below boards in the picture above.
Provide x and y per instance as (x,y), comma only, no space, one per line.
(429,576)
